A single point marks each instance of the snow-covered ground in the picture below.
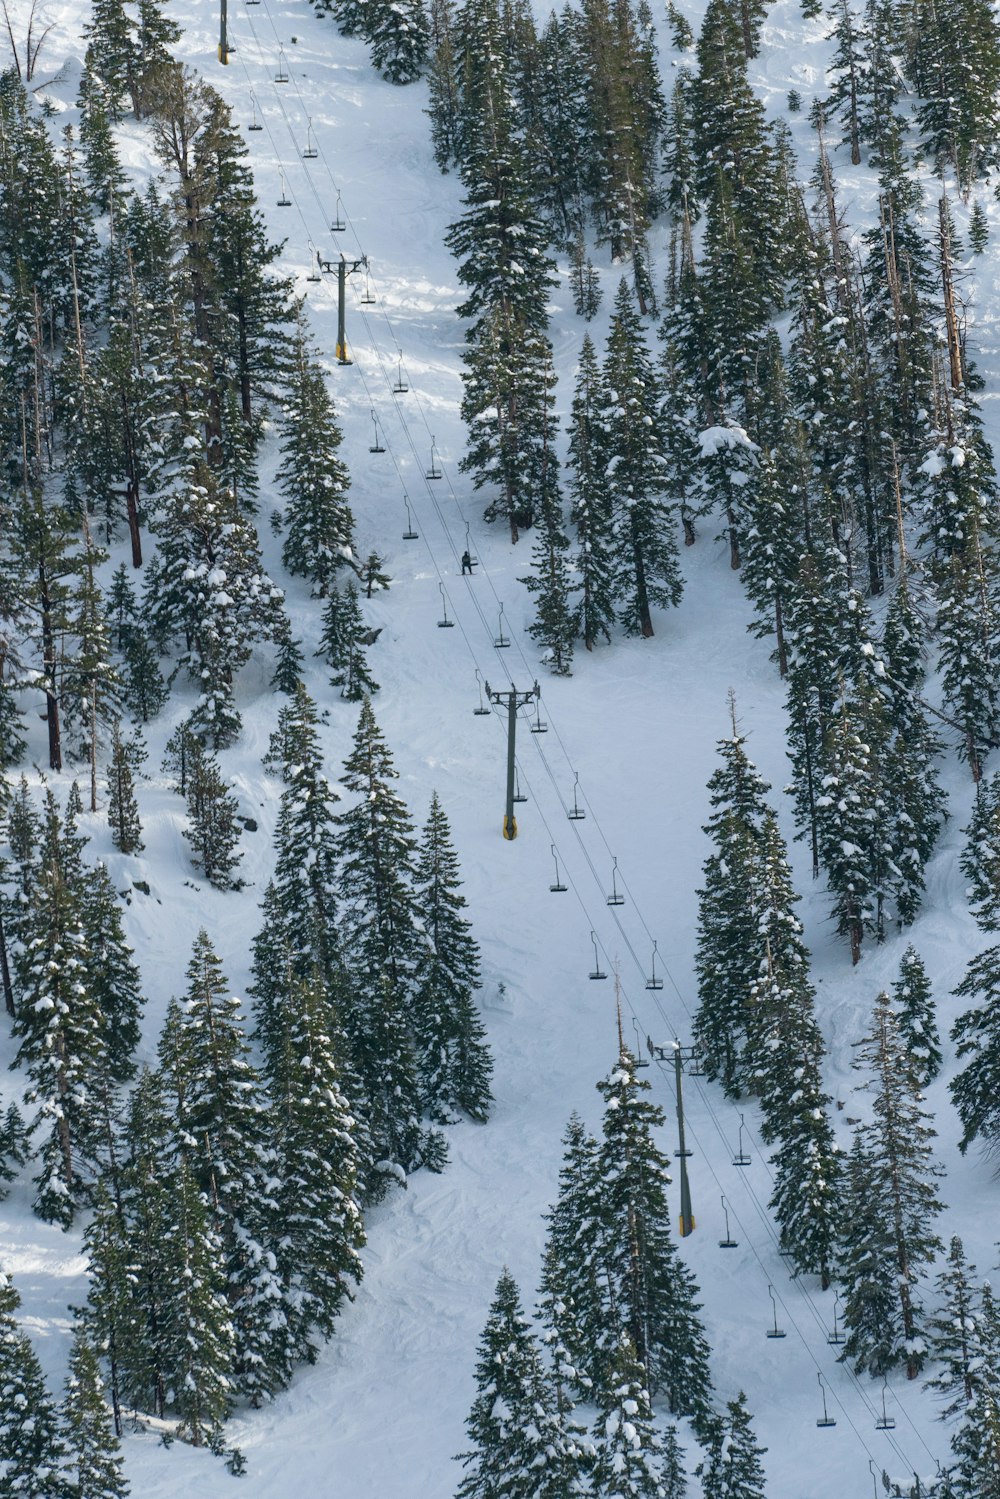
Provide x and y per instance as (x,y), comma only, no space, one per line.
(382,1411)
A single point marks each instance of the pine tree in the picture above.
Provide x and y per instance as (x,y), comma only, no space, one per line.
(955,1334)
(979,228)
(629,1451)
(976,1444)
(521,1447)
(590,510)
(584,280)
(32,1452)
(400,38)
(198,1332)
(112,979)
(647,571)
(554,625)
(730,950)
(14,1147)
(95,1465)
(637,1286)
(60,1027)
(319,526)
(975,1090)
(867,1271)
(901,1203)
(568,1277)
(342,645)
(317,1169)
(127,756)
(455,1062)
(214,831)
(980,859)
(916,1013)
(733,1469)
(221,1126)
(305,876)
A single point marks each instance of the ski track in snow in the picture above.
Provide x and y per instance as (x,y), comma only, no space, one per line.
(382,1411)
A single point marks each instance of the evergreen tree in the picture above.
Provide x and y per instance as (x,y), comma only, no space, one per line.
(980,859)
(32,1452)
(342,645)
(317,1169)
(976,1033)
(955,1334)
(629,1450)
(646,567)
(400,38)
(318,524)
(112,979)
(590,510)
(60,1028)
(979,228)
(867,1271)
(638,1286)
(127,756)
(95,1466)
(214,831)
(976,1444)
(901,1205)
(730,950)
(221,1128)
(733,1469)
(521,1448)
(916,1014)
(958,117)
(14,1147)
(553,626)
(455,1062)
(198,1331)
(303,904)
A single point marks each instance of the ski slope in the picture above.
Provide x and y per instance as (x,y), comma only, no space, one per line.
(382,1411)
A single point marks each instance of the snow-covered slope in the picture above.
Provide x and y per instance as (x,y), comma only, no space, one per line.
(381,1413)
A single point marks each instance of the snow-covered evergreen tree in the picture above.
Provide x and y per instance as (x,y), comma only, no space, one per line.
(733,1468)
(94,1467)
(629,1455)
(520,1445)
(917,1016)
(342,644)
(127,756)
(32,1452)
(975,1090)
(455,1062)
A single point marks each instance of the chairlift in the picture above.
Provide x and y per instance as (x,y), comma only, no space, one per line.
(576,812)
(728,1242)
(741,1158)
(368,298)
(469,562)
(310,153)
(482,711)
(774,1331)
(338,226)
(409,534)
(616,898)
(255,124)
(653,982)
(538,727)
(826,1419)
(284,201)
(252,2)
(444,623)
(501,642)
(885,1422)
(400,388)
(558,888)
(598,972)
(639,1060)
(836,1338)
(281,76)
(376,446)
(433,472)
(519,795)
(313,263)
